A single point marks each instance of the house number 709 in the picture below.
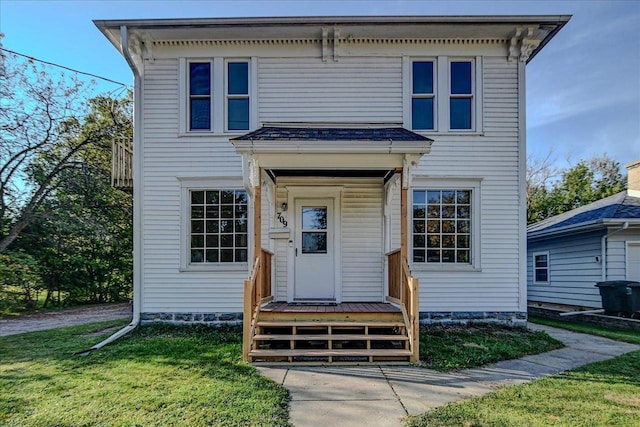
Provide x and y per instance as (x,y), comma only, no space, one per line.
(282,220)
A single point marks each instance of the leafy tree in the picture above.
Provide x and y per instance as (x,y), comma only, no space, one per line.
(19,280)
(44,134)
(586,182)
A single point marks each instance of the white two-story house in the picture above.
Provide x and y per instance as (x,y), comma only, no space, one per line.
(330,181)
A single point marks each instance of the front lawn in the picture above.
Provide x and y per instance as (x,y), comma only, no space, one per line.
(156,375)
(600,394)
(447,348)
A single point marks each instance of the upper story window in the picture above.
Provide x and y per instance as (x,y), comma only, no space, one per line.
(217,95)
(422,95)
(441,94)
(200,96)
(237,95)
(461,95)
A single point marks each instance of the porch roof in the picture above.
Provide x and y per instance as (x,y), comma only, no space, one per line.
(312,139)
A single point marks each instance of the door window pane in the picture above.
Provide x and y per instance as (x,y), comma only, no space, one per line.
(314,218)
(314,243)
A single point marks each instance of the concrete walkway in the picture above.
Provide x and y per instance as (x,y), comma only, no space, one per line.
(383,395)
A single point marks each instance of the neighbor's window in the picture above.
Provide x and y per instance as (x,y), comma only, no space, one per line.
(218,226)
(461,95)
(200,96)
(237,95)
(423,96)
(442,226)
(541,267)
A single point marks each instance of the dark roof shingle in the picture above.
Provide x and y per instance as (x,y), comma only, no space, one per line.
(272,133)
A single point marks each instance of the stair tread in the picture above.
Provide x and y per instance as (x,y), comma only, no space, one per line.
(327,337)
(329,352)
(374,324)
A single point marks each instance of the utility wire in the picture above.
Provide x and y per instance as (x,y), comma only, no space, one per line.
(62,66)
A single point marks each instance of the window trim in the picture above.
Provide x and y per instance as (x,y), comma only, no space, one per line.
(442,94)
(534,268)
(433,95)
(188,184)
(228,96)
(470,96)
(473,184)
(218,98)
(189,97)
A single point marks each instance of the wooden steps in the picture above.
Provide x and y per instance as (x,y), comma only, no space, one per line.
(330,341)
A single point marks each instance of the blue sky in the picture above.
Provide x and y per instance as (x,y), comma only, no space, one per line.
(583,89)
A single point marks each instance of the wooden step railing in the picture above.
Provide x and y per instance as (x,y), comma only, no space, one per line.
(403,290)
(122,163)
(257,291)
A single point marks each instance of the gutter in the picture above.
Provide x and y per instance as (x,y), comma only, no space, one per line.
(603,248)
(137,191)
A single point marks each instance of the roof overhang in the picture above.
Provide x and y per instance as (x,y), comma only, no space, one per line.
(600,224)
(332,140)
(524,36)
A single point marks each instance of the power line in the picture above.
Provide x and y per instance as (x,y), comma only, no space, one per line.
(64,67)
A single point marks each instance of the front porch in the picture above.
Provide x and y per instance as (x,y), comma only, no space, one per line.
(344,333)
(334,285)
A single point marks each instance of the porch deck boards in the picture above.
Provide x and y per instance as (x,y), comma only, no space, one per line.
(345,307)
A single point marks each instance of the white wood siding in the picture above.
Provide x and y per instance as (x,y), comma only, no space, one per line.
(573,270)
(356,89)
(491,158)
(167,157)
(309,90)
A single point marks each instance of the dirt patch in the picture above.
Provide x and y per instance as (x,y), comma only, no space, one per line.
(59,319)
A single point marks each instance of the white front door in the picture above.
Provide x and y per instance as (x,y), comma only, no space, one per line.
(633,261)
(314,250)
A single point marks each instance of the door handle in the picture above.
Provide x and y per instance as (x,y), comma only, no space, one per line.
(296,251)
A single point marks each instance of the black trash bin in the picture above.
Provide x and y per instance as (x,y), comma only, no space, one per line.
(620,296)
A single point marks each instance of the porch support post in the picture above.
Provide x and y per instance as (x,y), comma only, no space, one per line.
(403,213)
(257,221)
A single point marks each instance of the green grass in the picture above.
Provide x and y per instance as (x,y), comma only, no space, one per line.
(614,334)
(447,348)
(156,375)
(600,394)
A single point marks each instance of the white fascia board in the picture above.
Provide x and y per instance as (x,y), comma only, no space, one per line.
(326,147)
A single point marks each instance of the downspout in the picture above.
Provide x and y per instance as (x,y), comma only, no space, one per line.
(603,248)
(137,191)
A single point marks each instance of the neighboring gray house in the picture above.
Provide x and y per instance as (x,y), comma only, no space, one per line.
(569,253)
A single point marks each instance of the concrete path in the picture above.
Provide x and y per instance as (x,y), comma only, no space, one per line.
(383,395)
(59,319)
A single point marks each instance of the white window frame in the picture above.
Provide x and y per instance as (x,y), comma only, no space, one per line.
(187,185)
(228,96)
(442,95)
(433,95)
(534,268)
(470,96)
(218,96)
(475,185)
(188,96)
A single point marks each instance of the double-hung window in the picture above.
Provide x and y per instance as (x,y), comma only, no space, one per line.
(442,226)
(218,226)
(541,267)
(423,95)
(237,95)
(461,95)
(200,93)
